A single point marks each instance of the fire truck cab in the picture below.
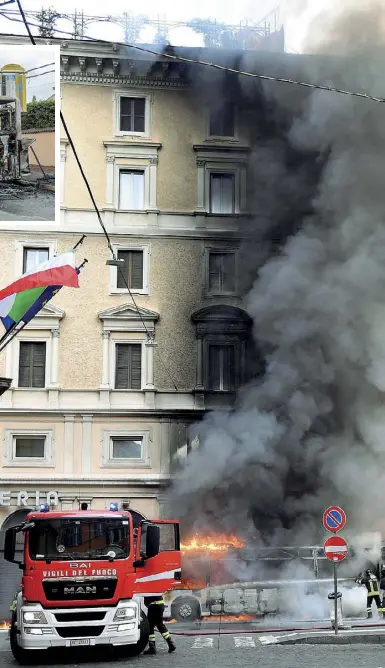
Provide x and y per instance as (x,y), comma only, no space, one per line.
(83,576)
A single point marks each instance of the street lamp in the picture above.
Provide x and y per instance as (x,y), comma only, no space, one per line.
(5,384)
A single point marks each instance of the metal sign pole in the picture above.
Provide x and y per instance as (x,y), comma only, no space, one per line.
(335,596)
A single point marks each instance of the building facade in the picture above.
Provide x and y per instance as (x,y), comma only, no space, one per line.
(106,383)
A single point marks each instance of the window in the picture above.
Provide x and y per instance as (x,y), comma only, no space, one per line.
(221,273)
(222,193)
(221,359)
(28,447)
(222,121)
(128,366)
(32,257)
(131,189)
(126,448)
(223,335)
(132,270)
(132,114)
(32,359)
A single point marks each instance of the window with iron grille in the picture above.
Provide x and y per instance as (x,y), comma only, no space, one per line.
(32,257)
(222,192)
(132,114)
(222,120)
(29,447)
(128,366)
(132,270)
(221,272)
(126,448)
(221,367)
(32,360)
(131,189)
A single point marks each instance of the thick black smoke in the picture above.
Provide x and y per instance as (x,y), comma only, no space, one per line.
(311,430)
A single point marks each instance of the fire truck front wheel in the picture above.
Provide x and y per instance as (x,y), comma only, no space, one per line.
(23,657)
(185,609)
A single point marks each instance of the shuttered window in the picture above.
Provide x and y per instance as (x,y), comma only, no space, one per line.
(222,193)
(221,367)
(27,447)
(132,114)
(222,120)
(32,257)
(126,448)
(132,270)
(128,371)
(32,364)
(131,189)
(221,272)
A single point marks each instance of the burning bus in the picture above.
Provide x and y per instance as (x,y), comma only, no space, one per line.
(221,575)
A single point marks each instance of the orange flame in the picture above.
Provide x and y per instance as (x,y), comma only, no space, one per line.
(190,583)
(229,618)
(218,543)
(4,625)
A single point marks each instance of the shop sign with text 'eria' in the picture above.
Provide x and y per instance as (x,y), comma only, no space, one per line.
(28,498)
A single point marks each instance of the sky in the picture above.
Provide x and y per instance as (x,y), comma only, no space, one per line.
(295,14)
(41,86)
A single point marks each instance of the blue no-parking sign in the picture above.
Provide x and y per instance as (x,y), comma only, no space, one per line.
(334,519)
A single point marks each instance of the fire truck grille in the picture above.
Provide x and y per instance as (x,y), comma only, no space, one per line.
(67,590)
(79,631)
(88,616)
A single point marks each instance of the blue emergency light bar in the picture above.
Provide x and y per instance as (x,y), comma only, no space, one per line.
(114,506)
(44,508)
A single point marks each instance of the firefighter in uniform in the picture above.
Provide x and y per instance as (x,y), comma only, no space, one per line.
(373,591)
(155,610)
(382,585)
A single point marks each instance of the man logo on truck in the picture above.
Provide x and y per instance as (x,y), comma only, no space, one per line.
(79,590)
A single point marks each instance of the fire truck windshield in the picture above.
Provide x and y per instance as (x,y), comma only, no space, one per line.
(62,539)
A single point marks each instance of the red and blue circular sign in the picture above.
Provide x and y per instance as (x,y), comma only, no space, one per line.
(334,519)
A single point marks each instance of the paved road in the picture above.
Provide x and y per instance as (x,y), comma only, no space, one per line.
(33,207)
(243,650)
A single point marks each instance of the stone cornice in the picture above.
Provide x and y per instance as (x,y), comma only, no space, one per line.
(142,82)
(83,63)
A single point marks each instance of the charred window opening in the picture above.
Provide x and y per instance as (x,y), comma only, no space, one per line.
(223,336)
(222,120)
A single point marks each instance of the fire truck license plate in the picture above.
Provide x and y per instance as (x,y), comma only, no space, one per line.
(81,641)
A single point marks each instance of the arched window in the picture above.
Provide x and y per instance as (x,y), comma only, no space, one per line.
(222,336)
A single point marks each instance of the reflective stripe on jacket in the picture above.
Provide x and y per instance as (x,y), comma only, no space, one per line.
(153,600)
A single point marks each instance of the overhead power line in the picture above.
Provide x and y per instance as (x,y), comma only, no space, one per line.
(33,76)
(225,68)
(109,243)
(41,67)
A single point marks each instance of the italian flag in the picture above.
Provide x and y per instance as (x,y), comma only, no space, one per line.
(18,297)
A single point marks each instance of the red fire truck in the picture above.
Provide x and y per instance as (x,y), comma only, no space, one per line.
(83,575)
